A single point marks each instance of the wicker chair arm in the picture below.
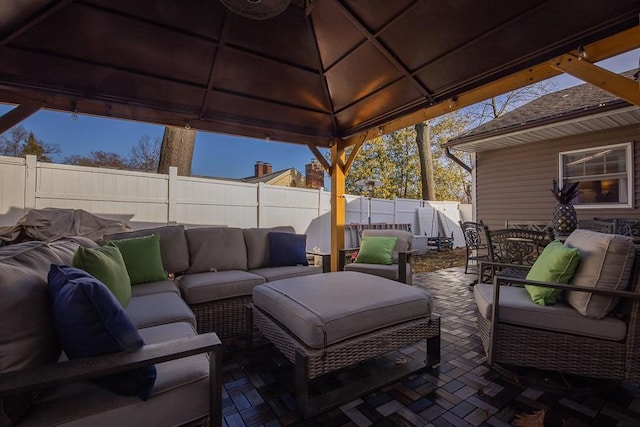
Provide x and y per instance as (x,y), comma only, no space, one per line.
(568,287)
(59,373)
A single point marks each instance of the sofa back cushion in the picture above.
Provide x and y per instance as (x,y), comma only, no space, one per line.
(403,242)
(173,245)
(606,261)
(257,243)
(27,335)
(216,249)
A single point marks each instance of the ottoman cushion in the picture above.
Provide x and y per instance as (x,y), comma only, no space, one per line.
(324,309)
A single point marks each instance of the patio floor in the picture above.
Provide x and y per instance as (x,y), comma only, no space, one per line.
(460,391)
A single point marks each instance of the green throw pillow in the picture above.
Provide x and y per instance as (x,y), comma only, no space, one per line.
(556,264)
(106,264)
(376,250)
(142,257)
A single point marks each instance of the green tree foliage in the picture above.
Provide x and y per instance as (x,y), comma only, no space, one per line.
(18,142)
(393,159)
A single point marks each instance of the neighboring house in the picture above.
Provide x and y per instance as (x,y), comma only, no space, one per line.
(291,177)
(578,134)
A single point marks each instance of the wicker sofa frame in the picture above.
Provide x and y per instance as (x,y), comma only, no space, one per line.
(550,350)
(311,363)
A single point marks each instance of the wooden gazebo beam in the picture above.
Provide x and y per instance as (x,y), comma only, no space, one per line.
(18,114)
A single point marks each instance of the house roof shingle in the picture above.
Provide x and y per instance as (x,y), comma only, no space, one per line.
(581,100)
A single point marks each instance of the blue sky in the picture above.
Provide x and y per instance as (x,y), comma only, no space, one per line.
(215,154)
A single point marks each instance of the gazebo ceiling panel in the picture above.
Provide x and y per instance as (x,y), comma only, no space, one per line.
(377,13)
(334,32)
(120,42)
(322,69)
(440,36)
(353,78)
(276,82)
(202,18)
(388,101)
(268,116)
(291,25)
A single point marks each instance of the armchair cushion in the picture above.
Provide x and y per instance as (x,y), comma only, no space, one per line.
(556,264)
(403,242)
(287,249)
(606,261)
(376,250)
(90,322)
(106,264)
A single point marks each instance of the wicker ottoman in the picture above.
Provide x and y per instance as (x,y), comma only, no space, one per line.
(328,321)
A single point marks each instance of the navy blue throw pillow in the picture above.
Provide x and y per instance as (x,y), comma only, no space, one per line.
(287,249)
(90,322)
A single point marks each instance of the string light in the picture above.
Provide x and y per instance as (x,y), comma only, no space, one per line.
(74,111)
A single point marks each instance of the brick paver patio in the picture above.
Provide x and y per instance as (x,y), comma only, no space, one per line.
(460,391)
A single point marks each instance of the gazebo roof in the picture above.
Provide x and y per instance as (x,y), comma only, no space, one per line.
(322,69)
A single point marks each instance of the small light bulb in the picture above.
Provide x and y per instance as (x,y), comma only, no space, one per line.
(74,114)
(187,125)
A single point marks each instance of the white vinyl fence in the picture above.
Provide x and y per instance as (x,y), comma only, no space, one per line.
(144,199)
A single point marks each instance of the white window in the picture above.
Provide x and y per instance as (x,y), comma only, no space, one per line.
(605,175)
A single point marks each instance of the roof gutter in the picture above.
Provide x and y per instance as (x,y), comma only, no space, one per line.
(462,164)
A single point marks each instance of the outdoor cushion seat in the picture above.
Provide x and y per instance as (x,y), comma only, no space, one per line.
(205,287)
(182,381)
(386,271)
(516,307)
(325,309)
(142,289)
(277,273)
(156,309)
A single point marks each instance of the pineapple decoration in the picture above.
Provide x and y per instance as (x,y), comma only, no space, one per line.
(565,219)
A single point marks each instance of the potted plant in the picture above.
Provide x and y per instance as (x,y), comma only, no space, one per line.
(565,219)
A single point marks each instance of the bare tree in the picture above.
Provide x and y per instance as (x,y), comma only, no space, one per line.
(177,150)
(499,105)
(11,142)
(145,155)
(98,159)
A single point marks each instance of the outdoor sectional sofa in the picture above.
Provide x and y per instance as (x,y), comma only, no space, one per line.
(38,386)
(216,268)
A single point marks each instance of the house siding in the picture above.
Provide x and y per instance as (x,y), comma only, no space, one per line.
(514,183)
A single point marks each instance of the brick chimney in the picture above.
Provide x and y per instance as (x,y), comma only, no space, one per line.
(261,168)
(258,169)
(314,174)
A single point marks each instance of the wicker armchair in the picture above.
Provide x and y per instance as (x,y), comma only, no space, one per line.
(400,270)
(517,332)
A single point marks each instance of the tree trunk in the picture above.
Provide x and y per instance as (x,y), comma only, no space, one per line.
(423,140)
(177,150)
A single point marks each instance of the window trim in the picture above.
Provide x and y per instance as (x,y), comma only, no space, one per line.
(629,150)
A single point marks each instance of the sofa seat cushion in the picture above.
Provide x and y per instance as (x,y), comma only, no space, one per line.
(516,307)
(605,263)
(184,381)
(257,242)
(205,287)
(276,273)
(388,271)
(158,309)
(154,288)
(216,249)
(324,309)
(173,245)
